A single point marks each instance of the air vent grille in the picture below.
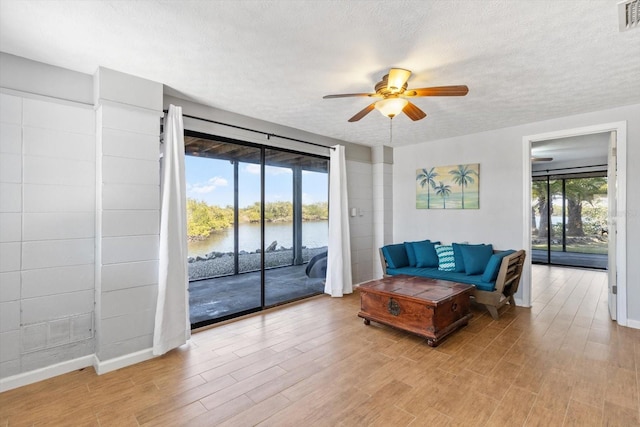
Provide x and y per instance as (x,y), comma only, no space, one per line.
(629,14)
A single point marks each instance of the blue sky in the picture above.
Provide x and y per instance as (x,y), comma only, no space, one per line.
(211,181)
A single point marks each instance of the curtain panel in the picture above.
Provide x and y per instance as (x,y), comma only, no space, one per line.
(339,280)
(172,327)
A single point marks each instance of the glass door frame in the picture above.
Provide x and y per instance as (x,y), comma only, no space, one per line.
(562,178)
(297,223)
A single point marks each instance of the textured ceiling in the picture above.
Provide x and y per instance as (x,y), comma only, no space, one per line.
(582,150)
(523,61)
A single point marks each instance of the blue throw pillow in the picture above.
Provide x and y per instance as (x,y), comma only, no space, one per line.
(446,261)
(493,267)
(411,254)
(476,258)
(426,255)
(396,255)
(457,254)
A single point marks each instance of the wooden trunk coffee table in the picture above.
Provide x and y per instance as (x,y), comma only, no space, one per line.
(427,307)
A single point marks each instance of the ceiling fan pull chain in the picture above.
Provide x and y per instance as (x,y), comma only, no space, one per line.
(390,130)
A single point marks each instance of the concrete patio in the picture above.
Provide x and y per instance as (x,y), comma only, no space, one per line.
(222,297)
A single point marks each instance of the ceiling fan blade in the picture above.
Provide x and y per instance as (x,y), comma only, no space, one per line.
(460,90)
(413,112)
(541,159)
(397,78)
(363,112)
(347,95)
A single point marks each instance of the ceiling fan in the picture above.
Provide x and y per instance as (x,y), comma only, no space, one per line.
(393,90)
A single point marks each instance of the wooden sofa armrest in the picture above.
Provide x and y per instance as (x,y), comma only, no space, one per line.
(509,274)
(383,262)
(506,284)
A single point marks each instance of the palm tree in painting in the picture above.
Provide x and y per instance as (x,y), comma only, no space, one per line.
(463,176)
(443,191)
(427,178)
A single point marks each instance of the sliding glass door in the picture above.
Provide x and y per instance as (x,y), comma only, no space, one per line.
(223,228)
(247,216)
(294,210)
(569,224)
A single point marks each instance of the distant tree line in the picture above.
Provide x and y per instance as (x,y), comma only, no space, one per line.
(204,219)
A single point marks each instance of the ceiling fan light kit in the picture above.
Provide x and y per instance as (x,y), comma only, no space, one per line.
(393,90)
(391,107)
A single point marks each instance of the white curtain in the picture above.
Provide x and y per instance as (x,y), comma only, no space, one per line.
(172,327)
(339,252)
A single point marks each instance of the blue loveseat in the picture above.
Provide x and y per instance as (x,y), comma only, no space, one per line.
(495,274)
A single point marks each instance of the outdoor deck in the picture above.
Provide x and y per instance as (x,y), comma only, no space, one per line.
(224,296)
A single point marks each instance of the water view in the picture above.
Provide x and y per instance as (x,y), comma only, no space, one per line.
(315,234)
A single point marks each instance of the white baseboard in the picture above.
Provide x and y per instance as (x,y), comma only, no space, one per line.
(104,366)
(101,367)
(519,303)
(635,324)
(45,373)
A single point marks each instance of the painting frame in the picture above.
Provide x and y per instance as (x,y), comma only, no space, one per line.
(448,187)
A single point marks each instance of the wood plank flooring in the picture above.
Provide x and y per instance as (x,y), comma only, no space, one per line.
(314,363)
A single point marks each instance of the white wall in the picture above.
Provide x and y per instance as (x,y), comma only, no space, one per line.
(500,191)
(42,79)
(79,214)
(382,175)
(128,112)
(499,219)
(47,218)
(360,194)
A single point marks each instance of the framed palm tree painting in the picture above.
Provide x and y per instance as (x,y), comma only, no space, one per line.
(448,187)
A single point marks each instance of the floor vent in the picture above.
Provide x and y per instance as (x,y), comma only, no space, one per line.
(628,13)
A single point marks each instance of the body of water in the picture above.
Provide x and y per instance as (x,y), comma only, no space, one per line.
(315,234)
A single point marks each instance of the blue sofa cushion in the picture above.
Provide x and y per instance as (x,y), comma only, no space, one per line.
(457,255)
(476,258)
(434,273)
(412,271)
(459,277)
(411,253)
(426,255)
(493,267)
(395,255)
(446,261)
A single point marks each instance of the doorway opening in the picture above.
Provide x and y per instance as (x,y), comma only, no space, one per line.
(615,228)
(569,203)
(256,217)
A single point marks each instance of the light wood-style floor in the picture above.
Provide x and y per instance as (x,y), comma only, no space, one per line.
(562,362)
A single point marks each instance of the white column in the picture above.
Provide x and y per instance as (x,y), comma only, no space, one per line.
(382,159)
(128,113)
